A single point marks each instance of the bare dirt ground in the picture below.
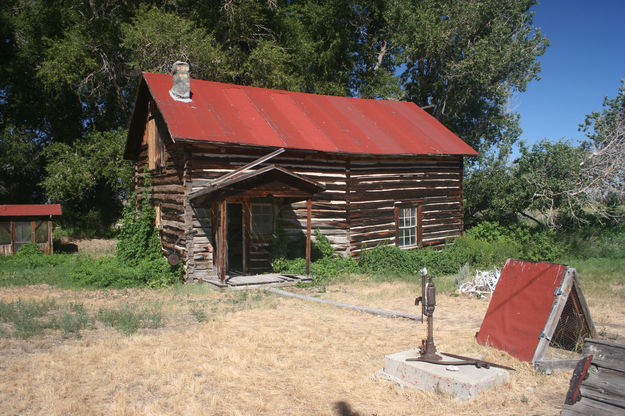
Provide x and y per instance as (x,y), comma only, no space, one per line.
(92,246)
(258,354)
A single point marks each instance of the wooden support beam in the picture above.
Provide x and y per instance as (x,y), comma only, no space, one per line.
(247,229)
(308,212)
(222,241)
(50,242)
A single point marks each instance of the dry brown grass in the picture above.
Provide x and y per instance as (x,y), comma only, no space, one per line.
(257,355)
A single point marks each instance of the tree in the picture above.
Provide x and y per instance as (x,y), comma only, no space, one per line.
(70,67)
(464,59)
(21,167)
(90,179)
(555,181)
(604,166)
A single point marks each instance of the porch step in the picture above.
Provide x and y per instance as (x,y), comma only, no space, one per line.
(241,282)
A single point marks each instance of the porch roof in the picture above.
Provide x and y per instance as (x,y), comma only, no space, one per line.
(29,210)
(265,174)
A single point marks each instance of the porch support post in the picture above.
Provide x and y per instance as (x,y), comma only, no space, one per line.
(308,212)
(50,243)
(222,241)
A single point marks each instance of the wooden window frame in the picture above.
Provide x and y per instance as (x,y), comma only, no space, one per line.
(154,141)
(158,218)
(418,226)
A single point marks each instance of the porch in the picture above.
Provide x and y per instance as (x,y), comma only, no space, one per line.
(236,216)
(244,282)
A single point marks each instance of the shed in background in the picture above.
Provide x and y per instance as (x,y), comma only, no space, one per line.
(24,224)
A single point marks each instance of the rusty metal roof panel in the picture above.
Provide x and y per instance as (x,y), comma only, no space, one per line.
(29,210)
(234,114)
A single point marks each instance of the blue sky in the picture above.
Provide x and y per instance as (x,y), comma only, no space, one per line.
(584,63)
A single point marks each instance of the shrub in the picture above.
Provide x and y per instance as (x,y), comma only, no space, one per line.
(387,260)
(111,272)
(27,250)
(139,247)
(128,319)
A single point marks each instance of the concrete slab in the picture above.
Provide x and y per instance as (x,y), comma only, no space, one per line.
(465,383)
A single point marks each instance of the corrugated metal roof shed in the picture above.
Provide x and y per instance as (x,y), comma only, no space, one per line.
(233,114)
(29,210)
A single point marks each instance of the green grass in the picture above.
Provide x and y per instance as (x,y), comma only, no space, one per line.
(128,319)
(198,312)
(29,318)
(601,275)
(55,270)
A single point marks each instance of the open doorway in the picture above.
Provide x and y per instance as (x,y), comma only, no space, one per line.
(234,237)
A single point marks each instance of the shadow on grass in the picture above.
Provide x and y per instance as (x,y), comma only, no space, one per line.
(343,408)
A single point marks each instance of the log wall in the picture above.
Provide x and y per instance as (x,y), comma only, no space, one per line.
(167,189)
(357,208)
(376,186)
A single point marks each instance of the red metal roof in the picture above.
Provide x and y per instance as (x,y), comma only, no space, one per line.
(29,210)
(234,114)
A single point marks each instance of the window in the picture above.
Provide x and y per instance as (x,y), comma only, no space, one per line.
(22,232)
(41,231)
(5,232)
(262,220)
(407,226)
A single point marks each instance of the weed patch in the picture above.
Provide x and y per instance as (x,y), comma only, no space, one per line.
(30,318)
(127,319)
(198,313)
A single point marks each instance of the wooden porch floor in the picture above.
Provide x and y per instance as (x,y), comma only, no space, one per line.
(243,282)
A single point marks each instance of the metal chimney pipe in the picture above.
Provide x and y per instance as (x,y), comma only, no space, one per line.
(181,88)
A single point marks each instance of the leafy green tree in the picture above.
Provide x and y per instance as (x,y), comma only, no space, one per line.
(154,39)
(21,167)
(492,191)
(462,61)
(89,178)
(556,183)
(70,67)
(551,176)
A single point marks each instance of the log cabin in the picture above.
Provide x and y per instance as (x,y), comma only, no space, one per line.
(234,166)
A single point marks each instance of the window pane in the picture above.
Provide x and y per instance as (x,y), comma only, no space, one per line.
(41,231)
(407,226)
(22,232)
(5,232)
(262,220)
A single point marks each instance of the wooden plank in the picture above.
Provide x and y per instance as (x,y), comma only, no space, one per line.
(542,365)
(222,240)
(604,385)
(605,353)
(587,406)
(579,294)
(308,223)
(554,315)
(371,311)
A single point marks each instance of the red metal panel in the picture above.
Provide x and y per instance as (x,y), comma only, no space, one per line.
(226,113)
(520,307)
(29,210)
